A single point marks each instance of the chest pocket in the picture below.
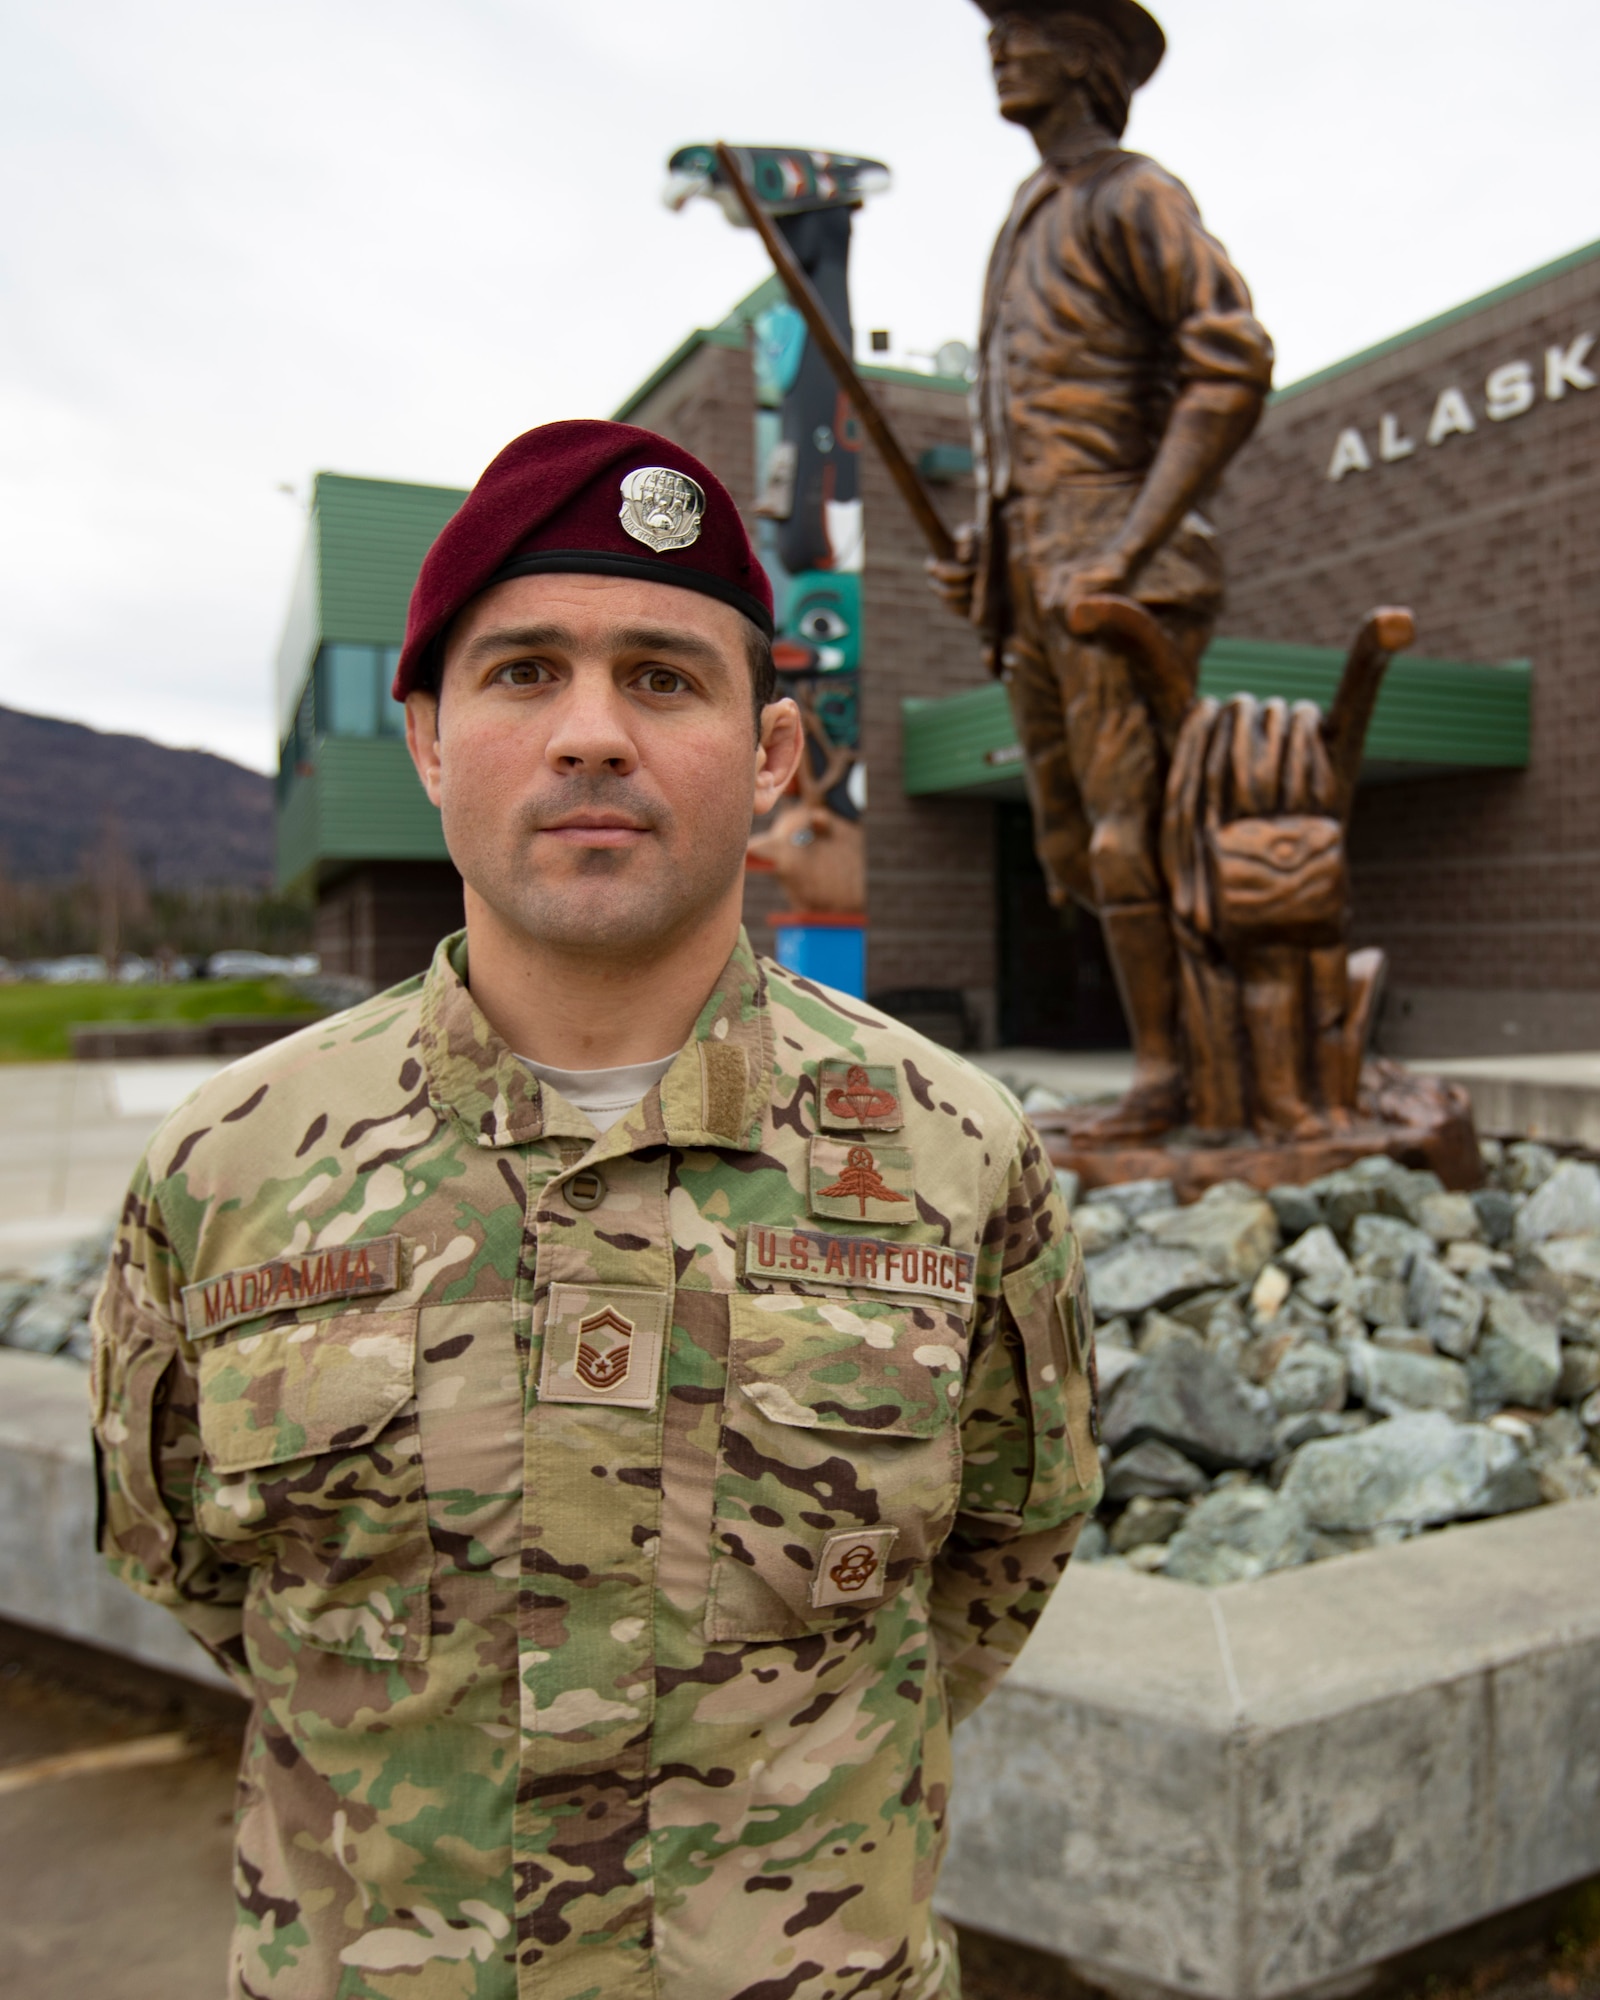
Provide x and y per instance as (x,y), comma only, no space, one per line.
(839,1468)
(313,1476)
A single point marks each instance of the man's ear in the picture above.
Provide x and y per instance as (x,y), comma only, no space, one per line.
(422,739)
(782,744)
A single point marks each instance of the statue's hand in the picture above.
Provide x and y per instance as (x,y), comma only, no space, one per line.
(952,582)
(1068,584)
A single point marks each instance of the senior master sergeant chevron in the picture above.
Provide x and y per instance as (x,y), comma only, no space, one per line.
(610,1403)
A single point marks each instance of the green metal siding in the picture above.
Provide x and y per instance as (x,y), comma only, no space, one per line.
(361,801)
(371,537)
(1432,714)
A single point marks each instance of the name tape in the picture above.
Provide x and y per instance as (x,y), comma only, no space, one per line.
(356,1271)
(867,1261)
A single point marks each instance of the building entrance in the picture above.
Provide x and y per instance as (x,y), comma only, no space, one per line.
(1056,985)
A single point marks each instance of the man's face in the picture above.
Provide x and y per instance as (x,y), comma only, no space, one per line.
(593,756)
(1029,75)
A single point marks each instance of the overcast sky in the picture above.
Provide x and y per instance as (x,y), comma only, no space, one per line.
(244,240)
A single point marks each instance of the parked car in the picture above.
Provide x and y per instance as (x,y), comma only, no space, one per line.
(260,965)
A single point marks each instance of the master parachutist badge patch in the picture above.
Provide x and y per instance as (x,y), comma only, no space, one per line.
(661,508)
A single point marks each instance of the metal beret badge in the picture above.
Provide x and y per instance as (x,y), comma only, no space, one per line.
(661,508)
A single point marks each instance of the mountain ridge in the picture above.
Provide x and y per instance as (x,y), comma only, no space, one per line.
(185,818)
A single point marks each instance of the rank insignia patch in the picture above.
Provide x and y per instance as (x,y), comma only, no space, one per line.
(602,1344)
(859,1097)
(853,1569)
(861,1183)
(661,508)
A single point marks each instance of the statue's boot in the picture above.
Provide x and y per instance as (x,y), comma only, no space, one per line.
(1145,960)
(1273,992)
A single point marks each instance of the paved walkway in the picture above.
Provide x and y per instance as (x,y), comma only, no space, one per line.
(70,1135)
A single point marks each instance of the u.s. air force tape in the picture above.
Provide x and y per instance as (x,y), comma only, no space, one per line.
(818,1258)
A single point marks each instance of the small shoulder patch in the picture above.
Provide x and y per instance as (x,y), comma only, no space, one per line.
(858,1097)
(353,1271)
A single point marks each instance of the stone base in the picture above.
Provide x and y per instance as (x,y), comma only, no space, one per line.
(1420,1121)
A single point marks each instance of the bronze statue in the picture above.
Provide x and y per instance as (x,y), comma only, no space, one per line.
(1120,368)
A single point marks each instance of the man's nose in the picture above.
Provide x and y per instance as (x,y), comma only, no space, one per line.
(591,728)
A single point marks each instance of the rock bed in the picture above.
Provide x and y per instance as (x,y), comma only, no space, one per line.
(1334,1367)
(46,1310)
(1282,1377)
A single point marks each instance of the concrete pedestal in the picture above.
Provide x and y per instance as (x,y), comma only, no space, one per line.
(1270,1788)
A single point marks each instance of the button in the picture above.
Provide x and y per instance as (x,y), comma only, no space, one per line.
(587,1189)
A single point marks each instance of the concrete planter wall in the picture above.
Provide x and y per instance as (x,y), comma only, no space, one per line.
(1259,1790)
(1238,1794)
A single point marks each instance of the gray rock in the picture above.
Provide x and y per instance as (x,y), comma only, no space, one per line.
(1154,1471)
(1236,1236)
(1447,1309)
(1098,1228)
(1571,1266)
(1134,1198)
(1135,1276)
(1580,1373)
(1496,1211)
(1292,1432)
(1567,1204)
(1113,1365)
(15,1293)
(1376,1186)
(1297,1210)
(1384,1246)
(1518,1356)
(1320,1265)
(1308,1377)
(1378,1301)
(1093,1544)
(1413,1472)
(1113,1333)
(1403,1340)
(1526,1166)
(1157,1329)
(1239,1533)
(47,1322)
(1068,1182)
(1196,1312)
(1147,1520)
(1393,1382)
(1449,1218)
(1191,1399)
(1573,1477)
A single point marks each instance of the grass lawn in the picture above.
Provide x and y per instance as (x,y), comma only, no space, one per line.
(35,1019)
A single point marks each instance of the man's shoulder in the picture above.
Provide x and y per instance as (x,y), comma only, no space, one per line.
(813,1025)
(339,1067)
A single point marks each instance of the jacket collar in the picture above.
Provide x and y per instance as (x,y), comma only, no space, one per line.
(715,1094)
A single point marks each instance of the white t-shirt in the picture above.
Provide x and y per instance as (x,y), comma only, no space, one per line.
(604,1095)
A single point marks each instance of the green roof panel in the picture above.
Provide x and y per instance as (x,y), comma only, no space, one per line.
(1432,716)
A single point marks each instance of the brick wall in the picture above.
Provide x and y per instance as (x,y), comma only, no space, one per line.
(1482,888)
(930,863)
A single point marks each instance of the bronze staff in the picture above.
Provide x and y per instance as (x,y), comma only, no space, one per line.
(814,313)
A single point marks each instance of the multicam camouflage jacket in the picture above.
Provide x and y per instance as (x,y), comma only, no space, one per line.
(606,1531)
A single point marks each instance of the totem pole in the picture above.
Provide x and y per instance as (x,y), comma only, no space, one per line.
(810,501)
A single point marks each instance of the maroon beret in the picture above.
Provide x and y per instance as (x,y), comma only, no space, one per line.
(602,499)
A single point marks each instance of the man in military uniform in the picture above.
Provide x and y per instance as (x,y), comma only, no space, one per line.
(1120,368)
(611,1404)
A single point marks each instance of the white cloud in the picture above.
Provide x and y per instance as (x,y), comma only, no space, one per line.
(244,242)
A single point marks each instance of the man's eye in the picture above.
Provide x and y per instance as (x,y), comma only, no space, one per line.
(663,680)
(520,673)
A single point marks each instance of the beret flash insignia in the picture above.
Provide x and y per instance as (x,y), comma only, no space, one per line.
(661,508)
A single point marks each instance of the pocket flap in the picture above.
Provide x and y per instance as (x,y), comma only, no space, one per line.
(866,1365)
(296,1391)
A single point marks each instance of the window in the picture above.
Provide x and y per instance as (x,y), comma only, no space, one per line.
(353,691)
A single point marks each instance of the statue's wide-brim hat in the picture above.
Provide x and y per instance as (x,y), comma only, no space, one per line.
(1138,32)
